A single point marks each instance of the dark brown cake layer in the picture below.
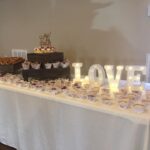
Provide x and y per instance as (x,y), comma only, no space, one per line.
(46,57)
(41,74)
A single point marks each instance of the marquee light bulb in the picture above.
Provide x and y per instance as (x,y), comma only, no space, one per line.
(108,67)
(130,68)
(119,67)
(142,68)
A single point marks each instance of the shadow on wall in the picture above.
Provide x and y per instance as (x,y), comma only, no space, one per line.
(72,23)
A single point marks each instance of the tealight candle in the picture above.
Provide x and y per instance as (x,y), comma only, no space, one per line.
(85,80)
(113,87)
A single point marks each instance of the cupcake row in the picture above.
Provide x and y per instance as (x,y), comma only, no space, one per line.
(26,65)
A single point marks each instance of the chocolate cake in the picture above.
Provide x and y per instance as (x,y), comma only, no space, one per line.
(10,64)
(45,45)
(46,57)
(46,64)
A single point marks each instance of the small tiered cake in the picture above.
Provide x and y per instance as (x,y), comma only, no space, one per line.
(46,62)
(45,45)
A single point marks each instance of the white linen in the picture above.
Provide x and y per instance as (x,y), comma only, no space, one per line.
(32,120)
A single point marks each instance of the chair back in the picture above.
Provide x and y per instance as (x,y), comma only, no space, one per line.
(19,53)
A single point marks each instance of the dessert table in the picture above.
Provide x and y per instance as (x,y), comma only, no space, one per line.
(32,120)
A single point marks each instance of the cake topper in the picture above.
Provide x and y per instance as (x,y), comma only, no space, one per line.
(45,41)
(45,44)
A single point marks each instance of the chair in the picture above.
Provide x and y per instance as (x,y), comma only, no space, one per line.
(19,53)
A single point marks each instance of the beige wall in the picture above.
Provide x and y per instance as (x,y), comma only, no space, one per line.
(91,31)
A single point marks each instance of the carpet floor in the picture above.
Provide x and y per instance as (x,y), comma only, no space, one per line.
(6,147)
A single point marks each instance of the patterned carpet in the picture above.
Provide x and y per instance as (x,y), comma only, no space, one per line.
(5,147)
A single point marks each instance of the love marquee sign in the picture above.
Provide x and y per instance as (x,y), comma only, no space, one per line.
(97,74)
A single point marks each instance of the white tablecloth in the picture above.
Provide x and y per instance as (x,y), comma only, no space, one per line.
(30,120)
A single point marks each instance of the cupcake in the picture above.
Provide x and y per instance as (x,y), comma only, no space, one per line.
(56,65)
(64,64)
(35,65)
(48,65)
(26,65)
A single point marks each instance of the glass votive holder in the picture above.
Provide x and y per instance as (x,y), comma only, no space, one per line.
(123,90)
(107,99)
(91,97)
(119,96)
(138,107)
(124,103)
(104,90)
(132,96)
(146,102)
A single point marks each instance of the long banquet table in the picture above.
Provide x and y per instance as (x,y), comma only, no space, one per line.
(31,120)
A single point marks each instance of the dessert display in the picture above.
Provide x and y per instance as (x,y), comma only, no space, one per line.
(10,64)
(126,100)
(46,62)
